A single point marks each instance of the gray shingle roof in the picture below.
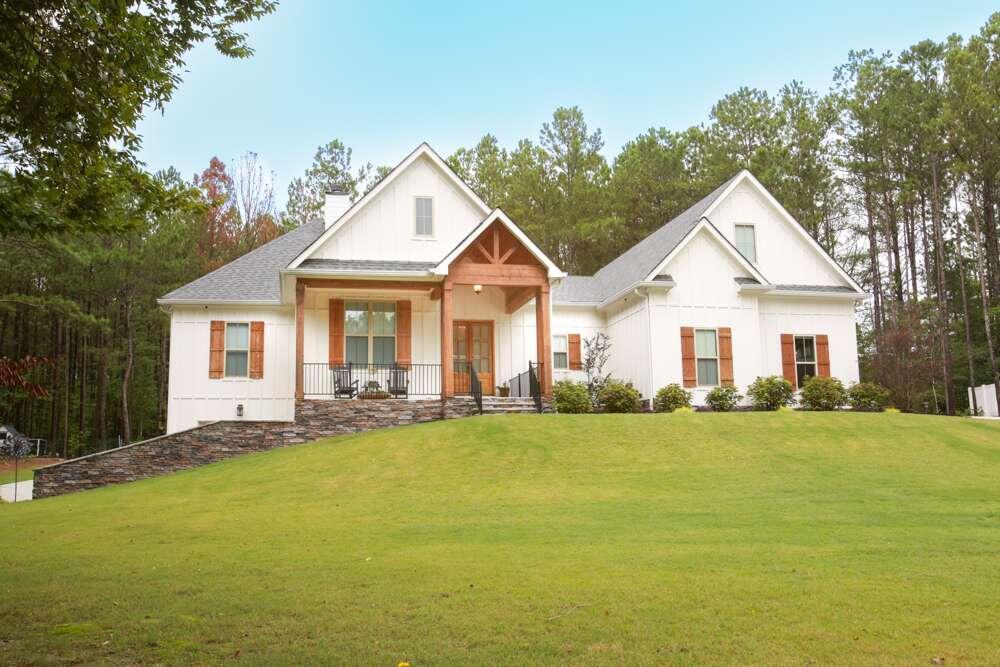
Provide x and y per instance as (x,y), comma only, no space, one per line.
(254,276)
(373,265)
(637,262)
(815,288)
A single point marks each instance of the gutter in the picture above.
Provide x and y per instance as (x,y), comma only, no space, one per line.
(796,294)
(665,285)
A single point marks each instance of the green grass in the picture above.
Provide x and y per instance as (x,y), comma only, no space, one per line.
(670,539)
(25,472)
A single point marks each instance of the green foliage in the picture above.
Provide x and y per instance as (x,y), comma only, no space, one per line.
(770,393)
(618,396)
(671,397)
(823,393)
(570,397)
(868,397)
(722,399)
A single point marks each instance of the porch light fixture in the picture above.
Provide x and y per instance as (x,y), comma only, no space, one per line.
(477,289)
(239,410)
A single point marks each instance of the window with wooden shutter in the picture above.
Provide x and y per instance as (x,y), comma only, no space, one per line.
(788,358)
(688,364)
(823,355)
(217,349)
(575,357)
(256,350)
(336,332)
(726,356)
(404,346)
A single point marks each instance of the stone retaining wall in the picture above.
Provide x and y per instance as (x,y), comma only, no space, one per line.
(222,440)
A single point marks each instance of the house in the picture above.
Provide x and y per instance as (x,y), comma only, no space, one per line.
(420,290)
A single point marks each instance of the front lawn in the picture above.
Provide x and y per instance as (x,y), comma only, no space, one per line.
(641,539)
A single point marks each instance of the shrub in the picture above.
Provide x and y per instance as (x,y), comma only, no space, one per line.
(823,393)
(671,397)
(868,397)
(770,393)
(723,399)
(686,410)
(570,397)
(618,396)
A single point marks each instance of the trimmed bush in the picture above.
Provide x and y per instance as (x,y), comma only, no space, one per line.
(770,393)
(570,397)
(671,397)
(868,397)
(723,399)
(618,396)
(823,393)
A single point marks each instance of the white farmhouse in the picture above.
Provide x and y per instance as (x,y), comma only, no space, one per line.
(419,290)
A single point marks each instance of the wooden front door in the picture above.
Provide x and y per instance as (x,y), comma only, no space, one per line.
(473,344)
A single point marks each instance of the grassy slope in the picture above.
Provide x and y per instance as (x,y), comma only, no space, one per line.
(767,538)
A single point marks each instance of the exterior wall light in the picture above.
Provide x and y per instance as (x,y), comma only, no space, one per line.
(477,289)
(239,410)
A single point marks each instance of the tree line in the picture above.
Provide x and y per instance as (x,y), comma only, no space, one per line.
(894,171)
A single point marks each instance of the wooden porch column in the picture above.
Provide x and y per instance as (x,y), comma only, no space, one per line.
(447,374)
(300,338)
(543,329)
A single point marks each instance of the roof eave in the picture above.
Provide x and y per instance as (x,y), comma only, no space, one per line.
(664,285)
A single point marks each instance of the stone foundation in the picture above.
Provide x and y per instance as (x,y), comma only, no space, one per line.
(222,440)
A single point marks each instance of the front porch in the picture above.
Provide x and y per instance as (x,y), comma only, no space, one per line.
(469,331)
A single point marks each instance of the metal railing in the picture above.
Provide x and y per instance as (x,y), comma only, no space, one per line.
(527,385)
(371,380)
(475,388)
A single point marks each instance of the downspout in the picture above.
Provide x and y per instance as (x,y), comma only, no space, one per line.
(649,341)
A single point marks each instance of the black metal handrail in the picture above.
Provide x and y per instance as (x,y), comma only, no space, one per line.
(475,388)
(520,385)
(535,385)
(352,380)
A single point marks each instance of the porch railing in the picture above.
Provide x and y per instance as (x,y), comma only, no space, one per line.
(475,388)
(527,384)
(371,380)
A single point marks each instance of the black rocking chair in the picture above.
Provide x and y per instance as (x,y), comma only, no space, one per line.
(399,382)
(343,386)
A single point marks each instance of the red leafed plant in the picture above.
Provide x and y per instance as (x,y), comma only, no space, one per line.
(13,371)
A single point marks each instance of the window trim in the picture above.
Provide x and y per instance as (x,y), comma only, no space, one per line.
(795,355)
(697,358)
(226,350)
(753,227)
(416,231)
(371,336)
(555,366)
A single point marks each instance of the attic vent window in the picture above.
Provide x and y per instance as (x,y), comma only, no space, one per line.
(424,221)
(746,242)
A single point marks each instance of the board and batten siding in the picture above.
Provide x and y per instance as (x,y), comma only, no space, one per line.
(384,228)
(583,320)
(194,398)
(809,317)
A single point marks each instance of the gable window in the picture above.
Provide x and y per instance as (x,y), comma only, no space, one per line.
(746,242)
(706,350)
(424,221)
(237,349)
(560,352)
(805,358)
(370,332)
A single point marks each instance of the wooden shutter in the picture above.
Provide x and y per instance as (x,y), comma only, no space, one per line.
(404,329)
(823,355)
(726,356)
(336,332)
(688,365)
(575,359)
(788,358)
(256,350)
(217,349)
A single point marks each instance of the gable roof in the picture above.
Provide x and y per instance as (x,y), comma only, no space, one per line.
(497,215)
(252,278)
(423,150)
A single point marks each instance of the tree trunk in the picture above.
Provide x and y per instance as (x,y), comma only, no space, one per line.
(127,374)
(876,272)
(944,312)
(983,291)
(992,246)
(101,409)
(974,406)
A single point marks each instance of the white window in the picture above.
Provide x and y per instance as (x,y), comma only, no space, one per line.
(560,352)
(746,242)
(706,350)
(237,349)
(805,358)
(424,221)
(370,332)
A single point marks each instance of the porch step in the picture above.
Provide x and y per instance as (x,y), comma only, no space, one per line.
(495,405)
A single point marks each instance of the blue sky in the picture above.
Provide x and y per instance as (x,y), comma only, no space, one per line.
(383,77)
